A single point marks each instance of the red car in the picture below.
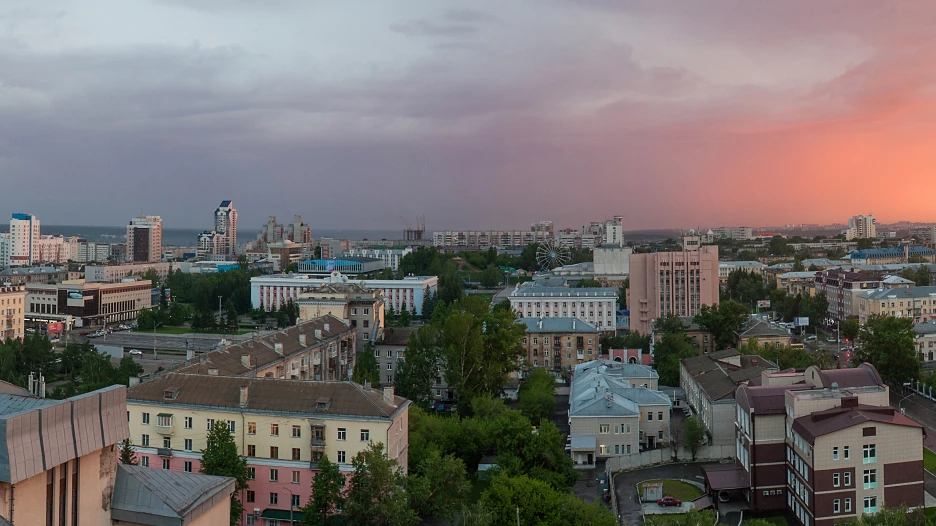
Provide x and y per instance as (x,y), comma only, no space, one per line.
(669,501)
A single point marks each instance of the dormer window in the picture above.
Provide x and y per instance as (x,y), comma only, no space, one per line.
(170,394)
(322,404)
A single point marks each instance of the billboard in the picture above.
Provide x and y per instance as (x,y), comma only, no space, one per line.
(56,327)
(801,322)
(763,304)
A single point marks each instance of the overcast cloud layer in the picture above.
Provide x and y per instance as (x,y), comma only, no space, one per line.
(476,114)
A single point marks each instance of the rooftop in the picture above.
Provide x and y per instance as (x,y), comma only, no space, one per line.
(925,328)
(718,374)
(553,325)
(809,274)
(891,252)
(741,264)
(862,376)
(144,492)
(766,399)
(332,398)
(901,293)
(398,336)
(847,415)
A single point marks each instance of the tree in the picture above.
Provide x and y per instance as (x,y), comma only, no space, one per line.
(538,503)
(152,276)
(450,288)
(163,299)
(405,316)
(745,287)
(723,321)
(326,498)
(816,308)
(179,313)
(672,347)
(693,517)
(430,299)
(798,266)
(850,328)
(693,433)
(242,262)
(588,284)
(919,275)
(436,484)
(259,316)
(888,516)
(622,293)
(145,320)
(491,277)
(537,396)
(778,246)
(416,372)
(377,493)
(365,368)
(889,343)
(231,315)
(220,457)
(865,243)
(127,454)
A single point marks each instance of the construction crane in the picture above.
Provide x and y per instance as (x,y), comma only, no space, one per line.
(414,234)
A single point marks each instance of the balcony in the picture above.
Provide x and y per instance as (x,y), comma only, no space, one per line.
(164,452)
(317,443)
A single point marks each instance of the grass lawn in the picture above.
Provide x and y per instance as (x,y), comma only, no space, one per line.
(929,460)
(778,521)
(680,490)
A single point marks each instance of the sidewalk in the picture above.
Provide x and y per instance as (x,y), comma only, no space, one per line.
(920,409)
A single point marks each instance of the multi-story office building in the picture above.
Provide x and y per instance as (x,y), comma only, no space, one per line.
(559,343)
(593,305)
(672,282)
(361,309)
(333,248)
(144,239)
(390,256)
(116,273)
(24,234)
(222,241)
(269,292)
(916,303)
(12,311)
(283,428)
(355,267)
(92,303)
(861,227)
(284,253)
(923,234)
(842,289)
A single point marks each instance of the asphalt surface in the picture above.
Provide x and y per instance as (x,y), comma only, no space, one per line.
(181,342)
(923,411)
(625,484)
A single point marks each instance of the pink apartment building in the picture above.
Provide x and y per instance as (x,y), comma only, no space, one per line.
(672,282)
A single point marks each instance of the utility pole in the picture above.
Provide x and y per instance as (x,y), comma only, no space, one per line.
(220,319)
(518,515)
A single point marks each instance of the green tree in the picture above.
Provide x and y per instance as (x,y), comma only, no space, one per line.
(798,266)
(127,369)
(850,328)
(436,484)
(588,284)
(377,493)
(816,308)
(723,321)
(865,243)
(127,454)
(778,246)
(889,343)
(491,277)
(920,275)
(693,517)
(745,287)
(673,346)
(242,262)
(230,311)
(430,299)
(365,368)
(622,293)
(538,503)
(416,372)
(451,289)
(889,516)
(327,496)
(405,316)
(220,457)
(145,320)
(693,432)
(746,255)
(179,313)
(152,276)
(163,300)
(537,396)
(259,316)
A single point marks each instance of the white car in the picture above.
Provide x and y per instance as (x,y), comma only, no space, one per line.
(136,352)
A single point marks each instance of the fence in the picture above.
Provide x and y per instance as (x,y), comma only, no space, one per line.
(655,457)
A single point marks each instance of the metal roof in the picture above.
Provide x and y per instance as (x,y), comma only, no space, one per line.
(901,293)
(550,325)
(151,496)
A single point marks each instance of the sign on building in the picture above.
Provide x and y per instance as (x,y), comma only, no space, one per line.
(801,322)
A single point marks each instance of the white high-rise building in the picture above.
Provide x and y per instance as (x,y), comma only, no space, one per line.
(24,234)
(861,227)
(144,239)
(226,227)
(4,250)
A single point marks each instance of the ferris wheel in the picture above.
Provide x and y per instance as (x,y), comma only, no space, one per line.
(551,254)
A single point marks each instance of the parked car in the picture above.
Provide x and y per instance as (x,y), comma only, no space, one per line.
(811,338)
(136,352)
(669,501)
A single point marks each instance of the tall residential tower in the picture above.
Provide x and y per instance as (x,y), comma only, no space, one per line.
(144,239)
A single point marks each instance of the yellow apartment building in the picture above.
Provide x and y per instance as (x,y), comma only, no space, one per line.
(12,312)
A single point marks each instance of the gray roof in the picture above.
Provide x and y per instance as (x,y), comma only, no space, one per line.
(21,271)
(607,388)
(719,379)
(550,325)
(11,404)
(901,293)
(531,289)
(798,275)
(614,369)
(925,328)
(819,262)
(741,264)
(584,442)
(157,496)
(897,280)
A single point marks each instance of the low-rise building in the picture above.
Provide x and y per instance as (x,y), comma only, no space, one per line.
(710,382)
(559,343)
(767,334)
(283,428)
(390,351)
(92,303)
(884,256)
(616,409)
(798,283)
(12,312)
(725,268)
(116,273)
(391,256)
(596,306)
(917,303)
(354,267)
(318,349)
(25,275)
(362,309)
(701,339)
(284,253)
(926,340)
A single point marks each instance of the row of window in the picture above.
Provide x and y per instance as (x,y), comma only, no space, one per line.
(166,421)
(546,341)
(274,499)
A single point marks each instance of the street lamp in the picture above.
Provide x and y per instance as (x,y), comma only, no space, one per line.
(155,356)
(291,495)
(220,322)
(901,402)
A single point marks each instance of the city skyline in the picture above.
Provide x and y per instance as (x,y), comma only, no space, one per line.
(481,118)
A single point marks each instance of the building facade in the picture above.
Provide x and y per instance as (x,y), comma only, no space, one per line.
(92,303)
(361,309)
(116,273)
(24,275)
(738,233)
(12,312)
(144,239)
(916,303)
(893,255)
(861,227)
(671,282)
(390,256)
(842,289)
(725,268)
(284,253)
(593,305)
(24,234)
(559,343)
(283,428)
(489,238)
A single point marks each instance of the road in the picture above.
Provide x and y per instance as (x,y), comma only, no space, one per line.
(923,411)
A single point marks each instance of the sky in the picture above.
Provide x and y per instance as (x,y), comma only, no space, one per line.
(481,114)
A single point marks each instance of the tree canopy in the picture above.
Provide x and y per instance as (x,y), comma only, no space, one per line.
(672,347)
(723,321)
(537,396)
(889,343)
(220,457)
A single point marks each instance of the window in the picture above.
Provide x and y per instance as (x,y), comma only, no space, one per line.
(296,432)
(603,429)
(165,463)
(389,354)
(188,422)
(274,498)
(376,353)
(232,426)
(366,312)
(274,475)
(836,482)
(210,424)
(628,449)
(251,428)
(251,496)
(274,452)
(835,505)
(660,415)
(145,441)
(342,433)
(869,453)
(366,323)
(295,477)
(870,504)
(846,452)
(389,366)
(296,453)
(835,453)
(389,378)
(847,478)
(251,473)
(870,478)
(274,430)
(164,420)
(524,341)
(847,505)
(365,435)
(341,457)
(187,467)
(295,501)
(167,442)
(354,312)
(188,444)
(146,418)
(650,415)
(617,449)
(627,428)
(144,462)
(660,435)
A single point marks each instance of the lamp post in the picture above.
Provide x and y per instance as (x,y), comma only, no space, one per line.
(901,402)
(291,495)
(155,356)
(220,319)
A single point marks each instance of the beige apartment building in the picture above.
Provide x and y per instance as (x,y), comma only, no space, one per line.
(794,283)
(116,273)
(916,303)
(672,282)
(12,312)
(360,308)
(559,343)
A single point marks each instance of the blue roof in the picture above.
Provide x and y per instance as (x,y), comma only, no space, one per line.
(22,217)
(225,203)
(892,252)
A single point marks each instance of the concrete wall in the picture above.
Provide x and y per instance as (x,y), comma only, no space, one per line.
(665,456)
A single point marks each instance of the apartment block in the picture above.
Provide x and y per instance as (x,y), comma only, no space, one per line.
(284,253)
(12,312)
(842,289)
(490,238)
(559,343)
(390,256)
(861,227)
(222,241)
(680,283)
(361,309)
(283,428)
(391,350)
(116,273)
(893,255)
(738,233)
(797,283)
(24,234)
(916,303)
(725,268)
(144,239)
(596,306)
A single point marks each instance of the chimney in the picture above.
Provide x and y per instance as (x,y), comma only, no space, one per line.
(212,371)
(32,384)
(540,324)
(278,348)
(245,360)
(302,340)
(41,392)
(243,396)
(388,395)
(573,324)
(849,401)
(189,355)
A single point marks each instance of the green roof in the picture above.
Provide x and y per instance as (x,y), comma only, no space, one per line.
(282,515)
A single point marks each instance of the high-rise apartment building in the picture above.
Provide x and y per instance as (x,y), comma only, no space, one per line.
(226,227)
(24,234)
(144,239)
(861,227)
(672,282)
